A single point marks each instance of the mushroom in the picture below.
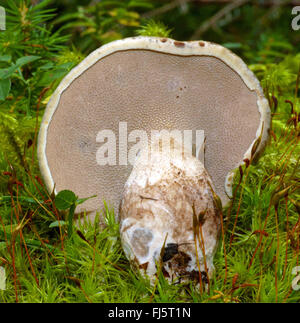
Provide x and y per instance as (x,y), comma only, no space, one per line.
(150,83)
(143,84)
(169,220)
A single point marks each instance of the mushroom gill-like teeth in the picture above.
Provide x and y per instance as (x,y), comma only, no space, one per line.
(161,198)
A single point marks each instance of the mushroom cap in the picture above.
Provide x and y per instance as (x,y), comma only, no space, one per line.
(152,84)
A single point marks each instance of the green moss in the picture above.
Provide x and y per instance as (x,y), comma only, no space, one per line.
(155,29)
(261,225)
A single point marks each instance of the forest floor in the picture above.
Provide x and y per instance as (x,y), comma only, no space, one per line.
(47,258)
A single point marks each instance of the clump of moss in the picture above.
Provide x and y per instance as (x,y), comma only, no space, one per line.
(154,29)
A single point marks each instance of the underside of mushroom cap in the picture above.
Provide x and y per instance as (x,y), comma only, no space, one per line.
(151,84)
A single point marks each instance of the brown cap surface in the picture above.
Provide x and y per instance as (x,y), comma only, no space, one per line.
(152,84)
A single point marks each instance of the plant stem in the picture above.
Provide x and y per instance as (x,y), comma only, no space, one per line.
(70,220)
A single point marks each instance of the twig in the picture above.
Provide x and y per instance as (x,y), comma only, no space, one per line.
(214,19)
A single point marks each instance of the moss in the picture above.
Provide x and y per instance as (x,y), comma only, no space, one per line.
(261,226)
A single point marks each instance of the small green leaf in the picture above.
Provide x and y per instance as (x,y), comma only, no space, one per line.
(25,60)
(233,45)
(52,75)
(5,58)
(80,201)
(47,66)
(5,86)
(56,224)
(65,199)
(6,73)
